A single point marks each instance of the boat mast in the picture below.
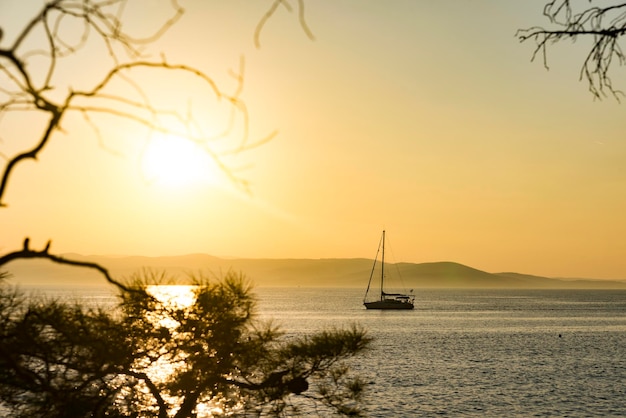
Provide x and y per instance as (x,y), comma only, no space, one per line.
(382,269)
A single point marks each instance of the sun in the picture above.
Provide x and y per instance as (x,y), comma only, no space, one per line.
(174,161)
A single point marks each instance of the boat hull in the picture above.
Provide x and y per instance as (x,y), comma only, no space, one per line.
(388,304)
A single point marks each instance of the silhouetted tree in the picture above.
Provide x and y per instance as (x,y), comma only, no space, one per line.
(144,357)
(154,358)
(603,23)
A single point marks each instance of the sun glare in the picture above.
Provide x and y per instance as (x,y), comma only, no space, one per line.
(176,162)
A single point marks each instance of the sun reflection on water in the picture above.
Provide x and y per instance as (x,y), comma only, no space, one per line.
(163,366)
(174,296)
(166,360)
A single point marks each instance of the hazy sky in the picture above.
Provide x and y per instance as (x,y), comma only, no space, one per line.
(424,118)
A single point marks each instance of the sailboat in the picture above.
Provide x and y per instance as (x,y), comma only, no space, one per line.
(386,300)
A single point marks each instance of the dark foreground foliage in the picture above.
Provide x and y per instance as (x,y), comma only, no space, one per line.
(152,357)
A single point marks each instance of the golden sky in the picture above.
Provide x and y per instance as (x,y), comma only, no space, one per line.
(423,118)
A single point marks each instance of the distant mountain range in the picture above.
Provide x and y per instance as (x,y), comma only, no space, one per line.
(292,272)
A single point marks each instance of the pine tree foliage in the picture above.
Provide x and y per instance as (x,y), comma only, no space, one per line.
(153,357)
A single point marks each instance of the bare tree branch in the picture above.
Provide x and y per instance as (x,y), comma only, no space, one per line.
(605,26)
(30,154)
(104,19)
(272,10)
(27,253)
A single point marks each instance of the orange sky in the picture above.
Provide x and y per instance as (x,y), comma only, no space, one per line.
(426,118)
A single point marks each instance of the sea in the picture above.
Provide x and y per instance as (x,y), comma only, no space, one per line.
(479,352)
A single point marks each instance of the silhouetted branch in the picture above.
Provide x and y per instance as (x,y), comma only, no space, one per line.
(30,154)
(154,391)
(27,253)
(603,25)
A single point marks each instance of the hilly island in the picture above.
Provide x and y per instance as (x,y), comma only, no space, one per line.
(346,273)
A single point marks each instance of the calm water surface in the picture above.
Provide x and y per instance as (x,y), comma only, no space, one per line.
(473,352)
(479,352)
